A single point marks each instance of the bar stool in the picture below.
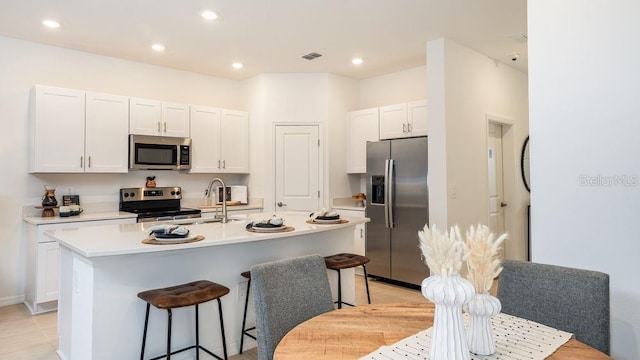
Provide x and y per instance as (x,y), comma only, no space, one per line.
(245,332)
(341,261)
(193,293)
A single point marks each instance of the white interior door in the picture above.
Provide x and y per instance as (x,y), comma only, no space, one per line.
(297,161)
(496,192)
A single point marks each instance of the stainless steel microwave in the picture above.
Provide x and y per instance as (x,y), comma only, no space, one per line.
(159,153)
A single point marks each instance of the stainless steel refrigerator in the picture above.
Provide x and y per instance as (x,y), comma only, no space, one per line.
(398,206)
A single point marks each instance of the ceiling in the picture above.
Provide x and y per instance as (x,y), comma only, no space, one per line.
(270,36)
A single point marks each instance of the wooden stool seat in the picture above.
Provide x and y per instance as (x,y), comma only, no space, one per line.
(196,292)
(343,261)
(189,294)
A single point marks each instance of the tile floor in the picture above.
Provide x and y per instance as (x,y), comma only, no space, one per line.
(33,337)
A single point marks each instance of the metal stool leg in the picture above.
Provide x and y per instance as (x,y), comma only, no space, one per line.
(339,290)
(366,282)
(197,335)
(169,335)
(224,342)
(244,317)
(144,333)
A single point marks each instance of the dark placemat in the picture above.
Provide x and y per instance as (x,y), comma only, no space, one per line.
(153,241)
(342,221)
(284,229)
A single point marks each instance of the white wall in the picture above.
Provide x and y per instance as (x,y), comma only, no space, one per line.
(465,87)
(393,88)
(584,86)
(317,98)
(23,64)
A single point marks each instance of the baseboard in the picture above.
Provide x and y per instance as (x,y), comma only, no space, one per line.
(11,300)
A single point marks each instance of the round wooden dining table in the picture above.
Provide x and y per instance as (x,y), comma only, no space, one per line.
(353,332)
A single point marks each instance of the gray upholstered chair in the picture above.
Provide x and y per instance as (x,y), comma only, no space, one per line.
(568,299)
(287,293)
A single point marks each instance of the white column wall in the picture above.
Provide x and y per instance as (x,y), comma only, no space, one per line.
(466,86)
(585,168)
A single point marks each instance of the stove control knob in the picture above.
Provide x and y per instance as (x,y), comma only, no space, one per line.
(177,192)
(173,192)
(132,194)
(126,194)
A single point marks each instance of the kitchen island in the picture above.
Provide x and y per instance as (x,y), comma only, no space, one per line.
(103,268)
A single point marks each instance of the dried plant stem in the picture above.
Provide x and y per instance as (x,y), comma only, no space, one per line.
(443,252)
(483,263)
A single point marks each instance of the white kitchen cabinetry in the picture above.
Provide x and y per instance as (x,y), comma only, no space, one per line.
(106,145)
(41,288)
(359,234)
(403,120)
(220,140)
(159,118)
(84,128)
(362,126)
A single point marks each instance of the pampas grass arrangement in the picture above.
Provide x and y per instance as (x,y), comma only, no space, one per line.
(483,262)
(443,252)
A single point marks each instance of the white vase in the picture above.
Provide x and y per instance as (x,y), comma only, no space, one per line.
(479,332)
(449,341)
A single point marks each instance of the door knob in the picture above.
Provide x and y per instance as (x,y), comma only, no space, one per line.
(502,204)
(280,204)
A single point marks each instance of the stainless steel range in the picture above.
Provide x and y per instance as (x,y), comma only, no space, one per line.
(156,204)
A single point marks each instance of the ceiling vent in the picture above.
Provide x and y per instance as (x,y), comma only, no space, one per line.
(311,56)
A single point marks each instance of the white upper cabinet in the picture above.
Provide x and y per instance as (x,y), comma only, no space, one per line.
(417,118)
(57,126)
(205,139)
(175,119)
(154,117)
(107,121)
(403,120)
(75,132)
(393,121)
(362,126)
(234,144)
(220,140)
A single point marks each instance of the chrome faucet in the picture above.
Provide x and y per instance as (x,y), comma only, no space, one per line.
(224,196)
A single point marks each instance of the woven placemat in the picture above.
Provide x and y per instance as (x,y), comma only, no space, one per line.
(342,221)
(153,241)
(284,229)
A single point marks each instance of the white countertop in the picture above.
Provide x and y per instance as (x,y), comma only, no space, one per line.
(93,216)
(109,240)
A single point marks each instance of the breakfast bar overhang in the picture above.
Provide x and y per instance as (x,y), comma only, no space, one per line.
(103,268)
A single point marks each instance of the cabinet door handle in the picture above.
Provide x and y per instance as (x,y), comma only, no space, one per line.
(280,204)
(165,126)
(404,128)
(159,130)
(218,164)
(89,161)
(224,164)
(361,233)
(408,128)
(81,161)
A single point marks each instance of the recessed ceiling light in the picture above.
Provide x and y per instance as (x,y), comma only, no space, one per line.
(357,61)
(52,24)
(210,15)
(158,47)
(237,65)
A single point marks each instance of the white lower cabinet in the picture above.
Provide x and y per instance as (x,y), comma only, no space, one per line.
(359,235)
(41,287)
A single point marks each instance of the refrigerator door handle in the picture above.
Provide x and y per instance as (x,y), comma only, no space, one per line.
(390,195)
(386,193)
